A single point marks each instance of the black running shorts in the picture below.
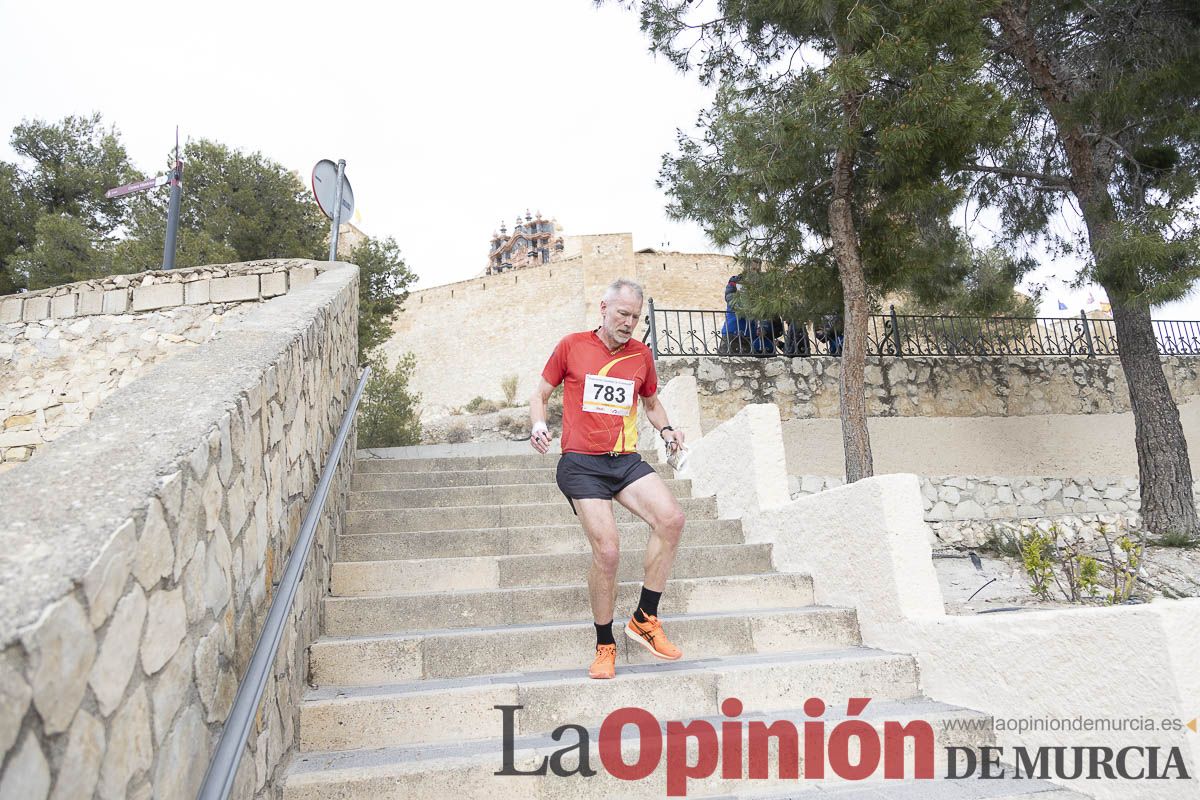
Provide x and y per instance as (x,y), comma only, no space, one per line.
(583,476)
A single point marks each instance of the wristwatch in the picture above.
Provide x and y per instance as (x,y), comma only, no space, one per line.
(664,428)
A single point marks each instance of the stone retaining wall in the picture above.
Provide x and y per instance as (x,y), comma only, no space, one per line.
(64,350)
(966,510)
(141,551)
(994,386)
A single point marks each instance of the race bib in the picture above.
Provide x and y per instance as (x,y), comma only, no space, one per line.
(604,395)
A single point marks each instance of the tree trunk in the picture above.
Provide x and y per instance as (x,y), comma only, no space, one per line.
(856,439)
(1164,468)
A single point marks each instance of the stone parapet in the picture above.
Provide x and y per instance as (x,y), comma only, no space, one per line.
(145,291)
(64,350)
(141,552)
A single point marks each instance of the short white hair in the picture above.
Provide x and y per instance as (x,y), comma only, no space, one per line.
(621,284)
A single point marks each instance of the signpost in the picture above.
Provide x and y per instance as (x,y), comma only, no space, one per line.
(334,196)
(176,181)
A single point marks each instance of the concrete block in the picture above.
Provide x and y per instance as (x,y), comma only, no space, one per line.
(10,309)
(299,276)
(36,308)
(91,301)
(161,295)
(234,290)
(197,292)
(274,284)
(116,301)
(64,306)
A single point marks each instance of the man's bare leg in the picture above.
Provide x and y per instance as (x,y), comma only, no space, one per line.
(601,528)
(651,499)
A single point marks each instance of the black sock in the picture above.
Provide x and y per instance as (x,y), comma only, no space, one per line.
(647,605)
(604,633)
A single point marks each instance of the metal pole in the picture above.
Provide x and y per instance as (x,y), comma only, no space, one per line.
(1087,333)
(337,211)
(177,190)
(653,332)
(895,331)
(222,768)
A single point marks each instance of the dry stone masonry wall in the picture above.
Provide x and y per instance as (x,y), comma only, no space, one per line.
(967,511)
(930,386)
(141,552)
(64,350)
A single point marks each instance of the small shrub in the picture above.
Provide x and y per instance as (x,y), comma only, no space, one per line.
(1002,543)
(458,433)
(515,427)
(481,405)
(1177,539)
(509,387)
(388,415)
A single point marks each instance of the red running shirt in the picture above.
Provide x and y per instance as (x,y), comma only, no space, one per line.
(579,355)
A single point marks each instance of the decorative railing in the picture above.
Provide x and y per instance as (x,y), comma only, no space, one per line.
(692,332)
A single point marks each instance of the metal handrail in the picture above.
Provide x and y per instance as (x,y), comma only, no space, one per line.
(222,768)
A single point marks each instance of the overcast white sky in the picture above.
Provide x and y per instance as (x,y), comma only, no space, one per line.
(451,117)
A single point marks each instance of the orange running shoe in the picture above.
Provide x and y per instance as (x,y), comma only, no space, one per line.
(605,664)
(649,634)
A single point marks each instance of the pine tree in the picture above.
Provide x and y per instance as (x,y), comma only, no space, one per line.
(1108,98)
(833,152)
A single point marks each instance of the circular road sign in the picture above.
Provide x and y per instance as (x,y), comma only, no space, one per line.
(324,185)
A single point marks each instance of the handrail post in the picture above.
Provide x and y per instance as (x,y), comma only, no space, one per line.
(1087,333)
(222,767)
(653,331)
(895,330)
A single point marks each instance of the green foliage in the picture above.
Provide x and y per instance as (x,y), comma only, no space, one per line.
(18,221)
(758,175)
(233,202)
(73,162)
(1178,539)
(388,413)
(64,250)
(1130,72)
(508,385)
(1045,556)
(481,405)
(383,281)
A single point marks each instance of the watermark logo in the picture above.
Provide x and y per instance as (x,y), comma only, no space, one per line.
(853,749)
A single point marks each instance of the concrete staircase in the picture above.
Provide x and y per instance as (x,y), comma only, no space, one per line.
(460,586)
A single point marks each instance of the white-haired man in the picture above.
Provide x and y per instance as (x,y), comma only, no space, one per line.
(605,372)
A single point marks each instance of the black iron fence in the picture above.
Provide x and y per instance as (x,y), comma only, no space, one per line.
(692,332)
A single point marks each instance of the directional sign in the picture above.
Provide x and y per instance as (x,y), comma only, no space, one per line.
(140,186)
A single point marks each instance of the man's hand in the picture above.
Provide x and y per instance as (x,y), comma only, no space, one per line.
(540,437)
(674,440)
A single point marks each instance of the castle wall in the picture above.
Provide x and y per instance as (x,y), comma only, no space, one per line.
(468,336)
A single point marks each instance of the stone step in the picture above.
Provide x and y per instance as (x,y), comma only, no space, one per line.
(344,718)
(364,578)
(465,770)
(974,788)
(398,613)
(486,516)
(372,481)
(444,497)
(532,460)
(454,653)
(514,541)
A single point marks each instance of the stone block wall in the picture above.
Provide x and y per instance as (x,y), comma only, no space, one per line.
(141,552)
(468,336)
(964,511)
(930,386)
(64,350)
